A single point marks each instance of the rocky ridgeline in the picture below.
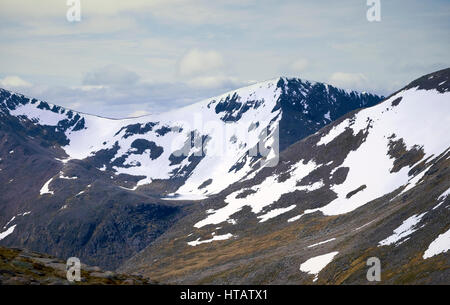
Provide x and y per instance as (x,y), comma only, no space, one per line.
(22,267)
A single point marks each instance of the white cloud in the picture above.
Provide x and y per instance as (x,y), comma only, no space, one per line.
(215,82)
(90,87)
(138,113)
(94,25)
(111,75)
(14,82)
(349,80)
(299,65)
(74,106)
(197,62)
(252,40)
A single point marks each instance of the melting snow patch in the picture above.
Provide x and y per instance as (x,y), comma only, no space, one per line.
(61,176)
(438,205)
(7,232)
(444,194)
(232,221)
(295,218)
(275,212)
(215,237)
(63,160)
(365,225)
(265,194)
(129,189)
(184,197)
(12,219)
(322,242)
(334,132)
(441,198)
(316,264)
(440,245)
(413,182)
(45,188)
(407,228)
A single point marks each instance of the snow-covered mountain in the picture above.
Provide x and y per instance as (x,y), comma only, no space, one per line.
(73,184)
(348,184)
(204,147)
(373,183)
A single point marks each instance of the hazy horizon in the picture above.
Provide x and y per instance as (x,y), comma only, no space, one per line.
(136,57)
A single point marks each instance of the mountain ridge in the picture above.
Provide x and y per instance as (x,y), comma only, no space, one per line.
(69,182)
(264,229)
(229,107)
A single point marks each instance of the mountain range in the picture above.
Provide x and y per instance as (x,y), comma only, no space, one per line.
(284,181)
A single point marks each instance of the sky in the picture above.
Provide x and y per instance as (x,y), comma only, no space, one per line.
(134,57)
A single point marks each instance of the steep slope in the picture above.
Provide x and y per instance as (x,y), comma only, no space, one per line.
(199,149)
(73,184)
(373,183)
(22,267)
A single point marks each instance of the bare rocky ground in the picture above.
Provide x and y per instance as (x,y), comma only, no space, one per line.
(22,267)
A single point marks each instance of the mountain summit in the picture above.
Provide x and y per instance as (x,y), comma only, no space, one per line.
(146,147)
(374,183)
(103,189)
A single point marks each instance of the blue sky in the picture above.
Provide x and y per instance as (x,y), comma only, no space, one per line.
(128,58)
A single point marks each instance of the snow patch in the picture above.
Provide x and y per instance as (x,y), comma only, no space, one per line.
(7,232)
(334,132)
(440,245)
(322,242)
(275,212)
(408,227)
(45,189)
(264,194)
(316,264)
(295,218)
(215,237)
(410,121)
(444,194)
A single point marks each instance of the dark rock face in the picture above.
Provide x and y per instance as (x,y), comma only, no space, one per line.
(89,216)
(233,110)
(137,129)
(142,144)
(439,80)
(313,106)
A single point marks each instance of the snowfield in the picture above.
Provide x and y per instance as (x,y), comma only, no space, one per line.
(226,145)
(231,125)
(411,121)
